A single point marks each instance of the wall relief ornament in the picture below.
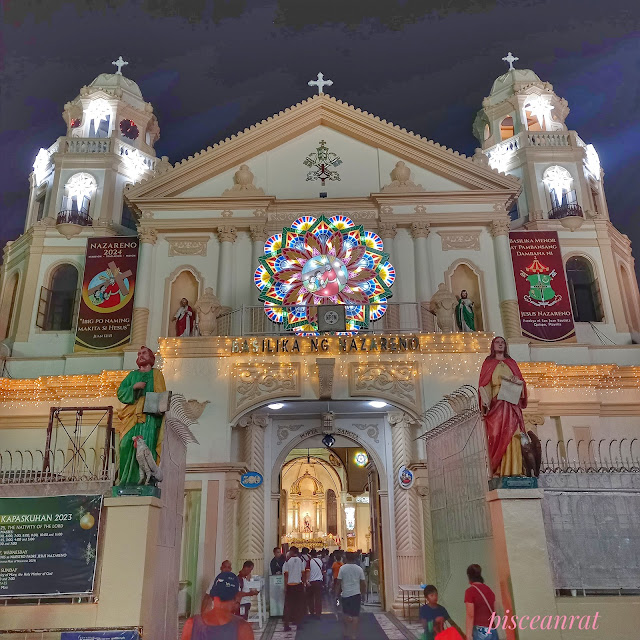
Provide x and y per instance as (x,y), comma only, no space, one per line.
(253,383)
(325,377)
(243,184)
(321,162)
(284,430)
(372,430)
(194,408)
(401,180)
(188,246)
(394,381)
(454,240)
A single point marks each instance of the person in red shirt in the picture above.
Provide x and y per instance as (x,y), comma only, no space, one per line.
(480,602)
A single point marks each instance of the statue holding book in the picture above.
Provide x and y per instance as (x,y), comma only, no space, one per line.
(503,396)
(143,394)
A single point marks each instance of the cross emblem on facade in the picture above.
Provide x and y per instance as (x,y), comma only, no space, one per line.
(510,58)
(120,63)
(320,83)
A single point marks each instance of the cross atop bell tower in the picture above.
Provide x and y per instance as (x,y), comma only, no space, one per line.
(510,58)
(121,63)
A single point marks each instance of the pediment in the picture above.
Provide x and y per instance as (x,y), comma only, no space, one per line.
(367,150)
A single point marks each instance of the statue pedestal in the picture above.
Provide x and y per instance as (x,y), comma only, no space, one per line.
(522,559)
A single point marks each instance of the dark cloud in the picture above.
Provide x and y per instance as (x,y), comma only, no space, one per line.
(213,67)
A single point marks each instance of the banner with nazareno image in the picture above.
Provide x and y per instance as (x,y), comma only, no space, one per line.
(106,305)
(541,285)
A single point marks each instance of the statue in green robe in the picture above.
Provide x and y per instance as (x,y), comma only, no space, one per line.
(133,420)
(465,318)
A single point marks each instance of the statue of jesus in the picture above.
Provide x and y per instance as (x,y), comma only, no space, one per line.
(134,421)
(307,523)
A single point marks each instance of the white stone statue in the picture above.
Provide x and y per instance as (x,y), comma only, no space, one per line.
(442,305)
(208,308)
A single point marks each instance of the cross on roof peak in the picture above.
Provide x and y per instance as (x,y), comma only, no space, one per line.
(119,63)
(510,58)
(320,83)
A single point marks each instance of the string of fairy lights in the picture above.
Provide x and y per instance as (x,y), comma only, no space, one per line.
(455,357)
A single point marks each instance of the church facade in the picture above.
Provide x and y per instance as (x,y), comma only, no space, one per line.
(411,225)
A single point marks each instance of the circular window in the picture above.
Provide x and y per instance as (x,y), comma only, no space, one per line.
(129,129)
(361,458)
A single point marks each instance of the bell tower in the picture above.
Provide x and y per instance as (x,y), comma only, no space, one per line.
(75,191)
(78,182)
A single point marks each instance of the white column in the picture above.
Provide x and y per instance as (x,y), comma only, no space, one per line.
(506,283)
(388,232)
(252,502)
(227,236)
(144,283)
(409,536)
(424,273)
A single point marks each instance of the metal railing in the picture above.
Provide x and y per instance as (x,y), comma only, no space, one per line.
(591,456)
(73,216)
(252,320)
(565,210)
(36,466)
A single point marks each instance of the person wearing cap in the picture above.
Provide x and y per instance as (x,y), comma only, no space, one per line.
(219,623)
(207,600)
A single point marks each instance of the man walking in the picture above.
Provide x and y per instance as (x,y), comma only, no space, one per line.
(294,604)
(352,586)
(314,589)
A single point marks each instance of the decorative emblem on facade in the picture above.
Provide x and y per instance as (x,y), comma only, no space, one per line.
(251,480)
(194,246)
(392,381)
(320,163)
(372,430)
(454,240)
(405,477)
(541,293)
(320,261)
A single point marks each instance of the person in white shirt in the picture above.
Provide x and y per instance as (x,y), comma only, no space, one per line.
(352,586)
(314,585)
(294,576)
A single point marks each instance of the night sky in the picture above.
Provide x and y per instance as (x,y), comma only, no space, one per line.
(213,67)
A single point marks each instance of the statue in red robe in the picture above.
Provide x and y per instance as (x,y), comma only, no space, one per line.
(502,411)
(184,319)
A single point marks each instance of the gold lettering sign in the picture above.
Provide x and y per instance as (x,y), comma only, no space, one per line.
(331,344)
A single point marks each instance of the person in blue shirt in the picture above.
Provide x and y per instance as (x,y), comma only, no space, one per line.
(433,615)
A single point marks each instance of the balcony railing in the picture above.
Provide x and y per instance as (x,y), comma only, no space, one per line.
(565,211)
(252,320)
(72,216)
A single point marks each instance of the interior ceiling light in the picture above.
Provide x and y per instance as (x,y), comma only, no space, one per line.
(378,404)
(275,406)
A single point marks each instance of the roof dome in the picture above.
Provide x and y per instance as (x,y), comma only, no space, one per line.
(507,82)
(111,81)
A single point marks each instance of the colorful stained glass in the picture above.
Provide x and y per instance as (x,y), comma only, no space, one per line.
(320,261)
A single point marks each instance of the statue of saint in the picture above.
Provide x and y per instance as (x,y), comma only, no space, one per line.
(442,305)
(208,308)
(307,524)
(503,396)
(465,318)
(134,421)
(184,318)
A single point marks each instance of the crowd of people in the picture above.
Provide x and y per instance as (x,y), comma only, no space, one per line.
(479,602)
(309,575)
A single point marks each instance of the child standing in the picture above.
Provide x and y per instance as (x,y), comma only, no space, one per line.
(433,615)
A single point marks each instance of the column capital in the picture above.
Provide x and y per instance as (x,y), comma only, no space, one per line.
(500,227)
(253,420)
(388,230)
(227,234)
(147,235)
(400,419)
(258,233)
(420,229)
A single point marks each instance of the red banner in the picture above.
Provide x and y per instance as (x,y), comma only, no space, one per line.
(104,317)
(543,296)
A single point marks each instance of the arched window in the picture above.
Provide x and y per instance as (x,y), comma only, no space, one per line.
(487,132)
(99,117)
(506,128)
(332,513)
(56,308)
(76,203)
(583,291)
(6,321)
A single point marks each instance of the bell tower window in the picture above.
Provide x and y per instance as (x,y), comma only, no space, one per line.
(58,301)
(506,128)
(99,117)
(583,290)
